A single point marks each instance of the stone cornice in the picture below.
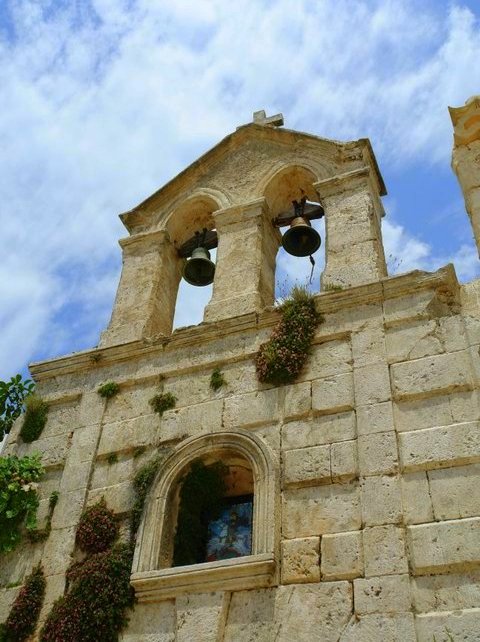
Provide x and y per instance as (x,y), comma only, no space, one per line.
(443,279)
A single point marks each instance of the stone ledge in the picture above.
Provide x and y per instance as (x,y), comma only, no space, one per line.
(249,572)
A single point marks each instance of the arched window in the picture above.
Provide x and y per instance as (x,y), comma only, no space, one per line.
(226,554)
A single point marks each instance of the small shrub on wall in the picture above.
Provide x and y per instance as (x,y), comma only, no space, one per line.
(162,402)
(19,479)
(281,359)
(109,390)
(23,616)
(35,418)
(97,528)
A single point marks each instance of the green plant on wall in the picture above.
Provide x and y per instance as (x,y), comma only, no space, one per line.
(201,492)
(281,359)
(108,390)
(217,380)
(163,401)
(36,411)
(19,479)
(23,616)
(141,484)
(12,396)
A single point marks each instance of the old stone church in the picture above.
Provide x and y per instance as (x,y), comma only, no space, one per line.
(359,482)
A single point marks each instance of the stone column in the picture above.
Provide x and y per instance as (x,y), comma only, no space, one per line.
(353,248)
(466,158)
(245,272)
(146,295)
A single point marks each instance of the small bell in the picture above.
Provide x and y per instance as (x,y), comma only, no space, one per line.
(301,239)
(199,269)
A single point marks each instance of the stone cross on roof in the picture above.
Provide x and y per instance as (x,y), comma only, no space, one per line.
(260,118)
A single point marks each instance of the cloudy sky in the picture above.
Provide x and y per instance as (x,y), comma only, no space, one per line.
(102,101)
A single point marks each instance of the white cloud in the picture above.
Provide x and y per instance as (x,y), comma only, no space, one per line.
(103,101)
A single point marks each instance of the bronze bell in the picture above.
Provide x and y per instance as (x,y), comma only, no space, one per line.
(199,269)
(301,239)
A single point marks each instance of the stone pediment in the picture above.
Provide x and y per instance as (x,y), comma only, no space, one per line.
(244,163)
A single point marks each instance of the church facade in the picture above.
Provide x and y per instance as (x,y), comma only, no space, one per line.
(353,504)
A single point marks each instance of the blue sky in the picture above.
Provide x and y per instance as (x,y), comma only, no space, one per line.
(104,101)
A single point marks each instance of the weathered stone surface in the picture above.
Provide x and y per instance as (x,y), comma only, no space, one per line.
(421,377)
(151,623)
(381,500)
(333,393)
(417,502)
(201,616)
(372,383)
(446,592)
(319,430)
(342,556)
(385,594)
(251,409)
(322,509)
(123,436)
(381,628)
(307,466)
(329,359)
(436,447)
(445,546)
(377,453)
(455,492)
(384,551)
(448,626)
(377,417)
(301,560)
(413,341)
(298,400)
(191,420)
(251,616)
(343,460)
(443,410)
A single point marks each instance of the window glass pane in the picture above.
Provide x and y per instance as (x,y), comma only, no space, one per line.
(230,535)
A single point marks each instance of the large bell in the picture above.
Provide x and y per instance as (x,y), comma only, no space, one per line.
(301,239)
(199,269)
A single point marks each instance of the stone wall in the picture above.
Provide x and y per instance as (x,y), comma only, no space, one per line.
(377,448)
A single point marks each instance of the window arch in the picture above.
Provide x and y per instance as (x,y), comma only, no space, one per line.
(153,576)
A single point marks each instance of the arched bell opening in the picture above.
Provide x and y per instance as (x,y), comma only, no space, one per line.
(191,229)
(295,209)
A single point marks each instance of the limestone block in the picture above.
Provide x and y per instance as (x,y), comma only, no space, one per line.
(444,546)
(130,403)
(75,476)
(377,453)
(372,384)
(110,473)
(201,616)
(54,450)
(119,498)
(91,409)
(270,435)
(307,466)
(301,560)
(381,628)
(62,418)
(251,409)
(298,400)
(17,564)
(436,411)
(333,394)
(151,623)
(413,341)
(385,594)
(448,626)
(7,598)
(84,442)
(417,502)
(381,500)
(342,556)
(436,447)
(54,589)
(384,551)
(251,616)
(368,345)
(455,492)
(321,509)
(58,550)
(325,429)
(343,460)
(472,329)
(420,377)
(68,509)
(446,592)
(191,420)
(424,304)
(49,482)
(310,612)
(124,436)
(453,333)
(377,417)
(328,359)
